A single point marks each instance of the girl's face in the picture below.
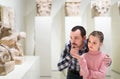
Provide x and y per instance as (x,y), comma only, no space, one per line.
(94,43)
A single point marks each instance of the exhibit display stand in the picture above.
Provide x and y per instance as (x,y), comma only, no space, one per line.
(29,69)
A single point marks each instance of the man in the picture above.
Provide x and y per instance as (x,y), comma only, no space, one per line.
(77,45)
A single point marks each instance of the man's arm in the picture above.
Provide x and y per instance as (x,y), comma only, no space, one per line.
(65,59)
(108,60)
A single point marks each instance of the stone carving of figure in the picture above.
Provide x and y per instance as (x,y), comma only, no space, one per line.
(43,7)
(72,8)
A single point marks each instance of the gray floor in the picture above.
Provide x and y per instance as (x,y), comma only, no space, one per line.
(61,75)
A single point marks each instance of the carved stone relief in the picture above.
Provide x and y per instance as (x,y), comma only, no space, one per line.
(7,17)
(11,39)
(100,7)
(7,63)
(72,8)
(11,51)
(43,7)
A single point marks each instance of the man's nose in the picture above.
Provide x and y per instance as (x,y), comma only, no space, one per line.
(72,41)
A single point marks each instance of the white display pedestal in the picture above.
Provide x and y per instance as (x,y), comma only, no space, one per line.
(29,69)
(43,37)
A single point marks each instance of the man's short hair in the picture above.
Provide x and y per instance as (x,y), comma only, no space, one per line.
(81,28)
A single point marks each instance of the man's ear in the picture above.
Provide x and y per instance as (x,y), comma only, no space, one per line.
(84,37)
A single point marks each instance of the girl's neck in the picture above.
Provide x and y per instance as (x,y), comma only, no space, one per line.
(94,52)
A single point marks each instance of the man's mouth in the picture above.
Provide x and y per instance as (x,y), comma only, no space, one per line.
(74,46)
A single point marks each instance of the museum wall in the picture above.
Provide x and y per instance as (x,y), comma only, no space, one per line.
(89,19)
(115,37)
(58,37)
(30,10)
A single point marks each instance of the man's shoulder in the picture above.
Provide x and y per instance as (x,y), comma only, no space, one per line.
(68,44)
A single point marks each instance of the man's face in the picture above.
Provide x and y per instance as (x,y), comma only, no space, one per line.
(76,39)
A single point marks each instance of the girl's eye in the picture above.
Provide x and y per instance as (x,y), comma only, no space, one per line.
(88,41)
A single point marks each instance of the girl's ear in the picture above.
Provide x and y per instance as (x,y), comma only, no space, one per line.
(101,44)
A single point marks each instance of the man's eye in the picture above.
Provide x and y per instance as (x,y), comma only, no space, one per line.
(94,42)
(75,38)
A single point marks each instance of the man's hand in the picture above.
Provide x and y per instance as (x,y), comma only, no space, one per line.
(74,52)
(108,60)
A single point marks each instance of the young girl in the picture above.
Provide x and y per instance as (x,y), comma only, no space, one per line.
(92,63)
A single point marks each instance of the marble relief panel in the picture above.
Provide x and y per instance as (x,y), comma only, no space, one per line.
(72,8)
(43,7)
(7,17)
(100,7)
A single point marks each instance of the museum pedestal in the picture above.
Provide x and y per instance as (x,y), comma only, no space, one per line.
(29,69)
(43,36)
